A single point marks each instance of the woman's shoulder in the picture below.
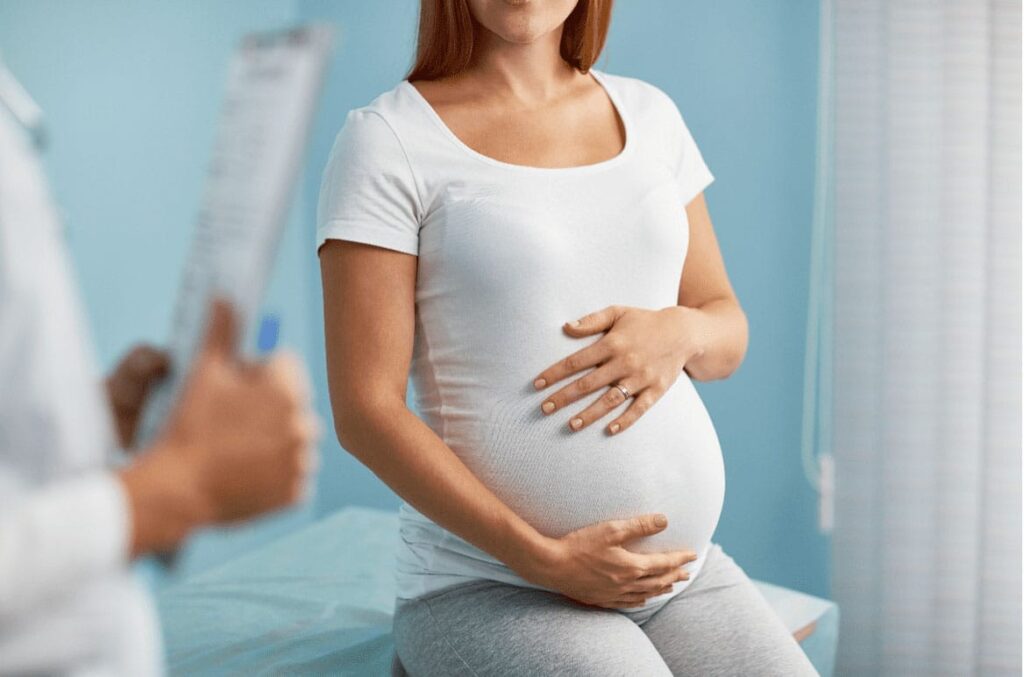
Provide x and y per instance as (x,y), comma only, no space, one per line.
(371,134)
(387,106)
(642,96)
(640,90)
(381,124)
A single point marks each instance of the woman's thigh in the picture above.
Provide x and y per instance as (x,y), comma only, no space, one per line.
(490,628)
(722,625)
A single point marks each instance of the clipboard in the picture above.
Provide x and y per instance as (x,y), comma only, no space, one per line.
(273,85)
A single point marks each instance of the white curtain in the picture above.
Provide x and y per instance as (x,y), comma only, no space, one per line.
(926,409)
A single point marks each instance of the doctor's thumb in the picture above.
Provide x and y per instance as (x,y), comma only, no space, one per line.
(221,338)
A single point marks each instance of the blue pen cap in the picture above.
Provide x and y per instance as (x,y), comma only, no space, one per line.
(270,328)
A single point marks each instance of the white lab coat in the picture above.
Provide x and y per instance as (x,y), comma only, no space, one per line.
(68,601)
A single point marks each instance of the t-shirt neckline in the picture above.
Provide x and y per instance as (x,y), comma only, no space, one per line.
(574,169)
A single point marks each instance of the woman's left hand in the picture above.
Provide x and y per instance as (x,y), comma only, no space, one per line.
(643,350)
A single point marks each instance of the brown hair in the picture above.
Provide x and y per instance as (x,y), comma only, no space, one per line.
(445,41)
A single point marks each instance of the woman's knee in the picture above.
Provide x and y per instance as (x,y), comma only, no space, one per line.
(729,629)
(421,645)
(525,633)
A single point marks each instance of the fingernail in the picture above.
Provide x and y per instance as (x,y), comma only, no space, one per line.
(539,383)
(614,428)
(660,520)
(576,423)
(548,407)
(575,323)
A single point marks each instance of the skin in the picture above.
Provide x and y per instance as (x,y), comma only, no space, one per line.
(515,103)
(129,384)
(237,444)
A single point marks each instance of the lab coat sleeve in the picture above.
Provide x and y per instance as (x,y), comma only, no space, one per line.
(68,601)
(64,518)
(58,536)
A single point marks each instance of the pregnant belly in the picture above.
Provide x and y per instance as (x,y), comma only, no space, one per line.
(668,461)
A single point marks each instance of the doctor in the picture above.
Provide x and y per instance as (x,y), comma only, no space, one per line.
(238,444)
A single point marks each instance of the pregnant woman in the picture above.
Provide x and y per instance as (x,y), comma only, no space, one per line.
(508,226)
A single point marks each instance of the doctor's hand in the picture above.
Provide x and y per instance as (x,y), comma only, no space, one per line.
(591,565)
(239,443)
(129,384)
(642,350)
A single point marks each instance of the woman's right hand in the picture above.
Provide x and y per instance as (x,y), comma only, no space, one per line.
(592,566)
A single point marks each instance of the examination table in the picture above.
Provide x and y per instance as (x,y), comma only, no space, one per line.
(318,601)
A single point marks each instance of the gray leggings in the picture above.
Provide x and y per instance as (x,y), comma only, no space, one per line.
(719,625)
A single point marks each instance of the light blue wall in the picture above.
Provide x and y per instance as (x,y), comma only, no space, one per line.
(132,88)
(743,72)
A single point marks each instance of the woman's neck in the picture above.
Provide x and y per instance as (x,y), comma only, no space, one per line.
(528,72)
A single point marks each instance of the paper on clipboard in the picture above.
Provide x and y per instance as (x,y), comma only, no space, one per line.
(273,84)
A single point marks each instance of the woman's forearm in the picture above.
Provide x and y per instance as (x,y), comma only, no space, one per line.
(720,331)
(411,459)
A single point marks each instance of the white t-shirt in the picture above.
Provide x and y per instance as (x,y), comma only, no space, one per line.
(507,254)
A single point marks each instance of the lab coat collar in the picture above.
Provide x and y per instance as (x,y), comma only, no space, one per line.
(21,106)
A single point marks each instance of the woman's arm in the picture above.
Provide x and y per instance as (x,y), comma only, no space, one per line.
(369,296)
(706,295)
(369,311)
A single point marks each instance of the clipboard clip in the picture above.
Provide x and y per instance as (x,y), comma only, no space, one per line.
(22,107)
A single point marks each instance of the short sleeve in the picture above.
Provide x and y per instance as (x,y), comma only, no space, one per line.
(368,193)
(691,173)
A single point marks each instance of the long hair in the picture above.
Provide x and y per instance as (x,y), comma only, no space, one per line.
(445,40)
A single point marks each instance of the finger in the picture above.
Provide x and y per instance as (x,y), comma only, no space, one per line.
(153,359)
(286,368)
(318,430)
(641,404)
(593,355)
(602,406)
(300,434)
(599,321)
(311,461)
(661,562)
(621,531)
(296,491)
(282,381)
(221,335)
(303,484)
(652,590)
(650,585)
(136,369)
(581,387)
(625,602)
(307,462)
(146,361)
(156,369)
(133,376)
(661,591)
